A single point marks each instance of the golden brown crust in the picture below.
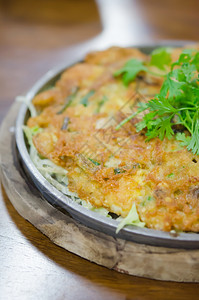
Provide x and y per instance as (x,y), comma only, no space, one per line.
(114,55)
(114,168)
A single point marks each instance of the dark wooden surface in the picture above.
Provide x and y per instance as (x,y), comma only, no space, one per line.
(32,34)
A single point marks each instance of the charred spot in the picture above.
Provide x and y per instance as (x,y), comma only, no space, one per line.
(178,128)
(195,192)
(140,77)
(177,192)
(113,215)
(142,133)
(159,193)
(119,171)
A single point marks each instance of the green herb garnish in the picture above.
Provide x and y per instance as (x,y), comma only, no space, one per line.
(85,99)
(101,103)
(118,171)
(130,70)
(160,58)
(171,175)
(177,103)
(94,162)
(69,100)
(147,200)
(137,165)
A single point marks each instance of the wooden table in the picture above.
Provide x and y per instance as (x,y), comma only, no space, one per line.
(33,38)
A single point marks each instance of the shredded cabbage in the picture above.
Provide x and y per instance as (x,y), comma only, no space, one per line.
(31,107)
(56,175)
(131,219)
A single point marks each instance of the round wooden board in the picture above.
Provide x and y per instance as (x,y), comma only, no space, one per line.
(117,254)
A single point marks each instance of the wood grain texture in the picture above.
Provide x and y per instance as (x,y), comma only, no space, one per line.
(31,266)
(123,256)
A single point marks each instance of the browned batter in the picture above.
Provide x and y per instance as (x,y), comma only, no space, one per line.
(115,168)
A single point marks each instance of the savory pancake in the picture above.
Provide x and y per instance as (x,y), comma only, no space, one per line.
(114,167)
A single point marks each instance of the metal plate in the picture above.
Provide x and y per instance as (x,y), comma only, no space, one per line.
(66,204)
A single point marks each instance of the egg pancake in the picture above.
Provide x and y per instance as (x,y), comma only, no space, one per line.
(110,167)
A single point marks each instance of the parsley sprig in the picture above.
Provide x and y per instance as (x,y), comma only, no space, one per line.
(160,58)
(176,104)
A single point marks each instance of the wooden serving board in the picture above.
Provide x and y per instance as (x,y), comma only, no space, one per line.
(117,254)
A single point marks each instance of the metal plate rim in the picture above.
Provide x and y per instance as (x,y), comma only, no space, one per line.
(93,219)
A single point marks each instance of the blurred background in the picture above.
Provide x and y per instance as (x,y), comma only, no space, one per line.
(34,34)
